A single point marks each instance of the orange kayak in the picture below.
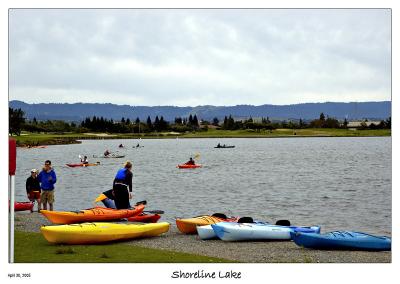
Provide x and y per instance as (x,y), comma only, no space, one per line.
(97,214)
(185,166)
(188,226)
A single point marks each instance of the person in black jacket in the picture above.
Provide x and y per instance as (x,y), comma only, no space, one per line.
(190,162)
(33,188)
(122,186)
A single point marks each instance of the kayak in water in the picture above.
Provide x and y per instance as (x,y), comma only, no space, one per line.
(224,146)
(92,233)
(232,231)
(185,166)
(342,240)
(96,214)
(109,156)
(188,226)
(83,165)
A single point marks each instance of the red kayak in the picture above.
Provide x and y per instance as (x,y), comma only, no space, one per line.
(145,218)
(185,166)
(22,206)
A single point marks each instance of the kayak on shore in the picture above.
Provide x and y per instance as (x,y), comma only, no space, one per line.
(206,232)
(83,165)
(92,233)
(96,214)
(22,206)
(188,225)
(342,240)
(145,218)
(185,166)
(232,231)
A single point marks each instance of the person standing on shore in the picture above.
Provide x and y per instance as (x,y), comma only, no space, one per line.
(47,178)
(33,188)
(122,186)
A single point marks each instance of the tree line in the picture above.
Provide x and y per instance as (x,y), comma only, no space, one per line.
(18,123)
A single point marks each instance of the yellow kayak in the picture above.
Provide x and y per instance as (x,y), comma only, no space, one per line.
(91,233)
(188,226)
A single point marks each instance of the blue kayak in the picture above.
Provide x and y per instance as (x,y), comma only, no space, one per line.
(342,240)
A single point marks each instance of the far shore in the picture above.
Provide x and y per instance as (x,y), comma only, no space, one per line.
(38,139)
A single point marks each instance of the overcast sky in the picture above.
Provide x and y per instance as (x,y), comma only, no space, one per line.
(199,57)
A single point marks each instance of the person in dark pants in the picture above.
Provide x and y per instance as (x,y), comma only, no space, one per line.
(33,188)
(122,186)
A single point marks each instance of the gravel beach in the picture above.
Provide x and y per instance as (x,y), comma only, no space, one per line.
(247,252)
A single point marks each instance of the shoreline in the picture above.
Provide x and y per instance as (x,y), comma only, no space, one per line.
(246,252)
(75,138)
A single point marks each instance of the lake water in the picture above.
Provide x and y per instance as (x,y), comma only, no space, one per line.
(338,183)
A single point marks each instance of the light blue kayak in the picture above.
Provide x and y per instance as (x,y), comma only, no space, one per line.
(231,231)
(206,232)
(342,240)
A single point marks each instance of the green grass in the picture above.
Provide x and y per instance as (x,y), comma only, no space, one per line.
(33,248)
(308,132)
(67,138)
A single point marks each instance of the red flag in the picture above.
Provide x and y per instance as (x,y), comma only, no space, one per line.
(12,156)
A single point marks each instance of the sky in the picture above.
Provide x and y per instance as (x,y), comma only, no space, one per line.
(191,57)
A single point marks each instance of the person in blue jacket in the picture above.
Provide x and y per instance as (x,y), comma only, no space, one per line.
(47,178)
(122,186)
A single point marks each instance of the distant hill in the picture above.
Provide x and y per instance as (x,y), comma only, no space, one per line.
(307,111)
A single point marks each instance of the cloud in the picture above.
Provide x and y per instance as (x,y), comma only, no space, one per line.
(199,57)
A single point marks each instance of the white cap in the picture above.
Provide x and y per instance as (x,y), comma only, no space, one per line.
(34,171)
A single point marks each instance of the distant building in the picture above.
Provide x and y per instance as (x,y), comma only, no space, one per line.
(358,124)
(355,124)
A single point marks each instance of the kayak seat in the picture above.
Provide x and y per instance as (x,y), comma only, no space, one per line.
(219,215)
(245,220)
(283,223)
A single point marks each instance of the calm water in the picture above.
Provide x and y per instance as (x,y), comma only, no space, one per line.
(338,183)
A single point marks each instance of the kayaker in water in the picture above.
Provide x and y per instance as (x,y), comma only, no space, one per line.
(190,162)
(106,153)
(33,188)
(122,186)
(121,146)
(219,145)
(85,160)
(47,178)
